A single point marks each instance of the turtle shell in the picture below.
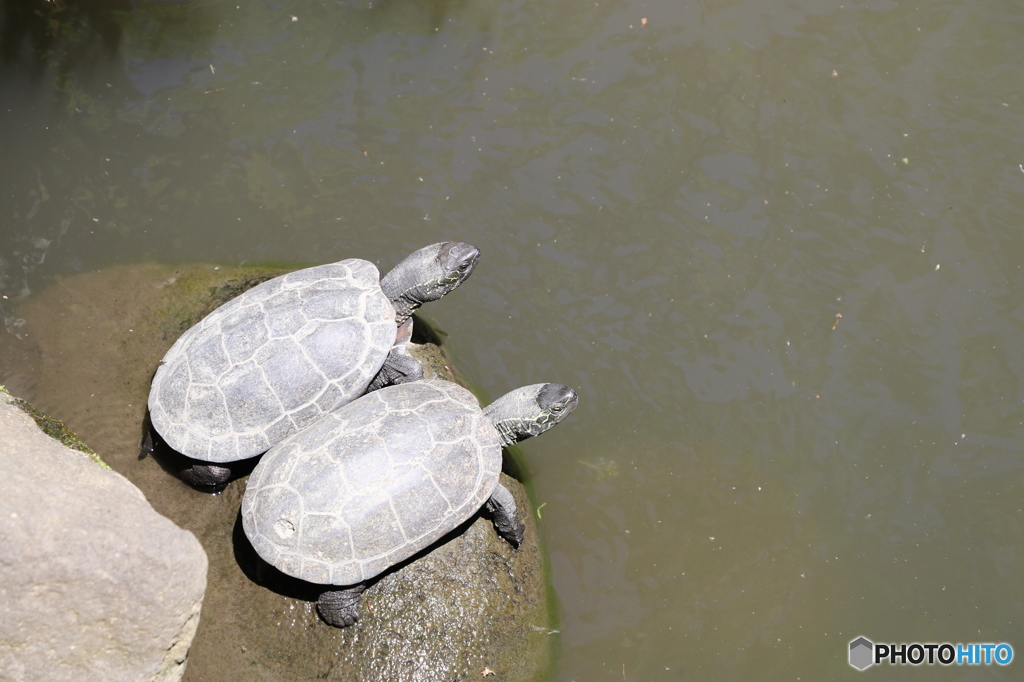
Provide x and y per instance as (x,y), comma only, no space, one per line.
(273,360)
(373,483)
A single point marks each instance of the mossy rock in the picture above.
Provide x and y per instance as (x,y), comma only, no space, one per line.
(90,346)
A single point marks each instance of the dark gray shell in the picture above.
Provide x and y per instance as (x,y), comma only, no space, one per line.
(273,360)
(372,483)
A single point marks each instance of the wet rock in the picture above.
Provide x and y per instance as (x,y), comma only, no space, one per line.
(94,584)
(471,602)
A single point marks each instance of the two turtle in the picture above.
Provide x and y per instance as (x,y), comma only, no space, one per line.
(347,488)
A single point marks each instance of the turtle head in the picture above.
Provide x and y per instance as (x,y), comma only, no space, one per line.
(530,411)
(427,275)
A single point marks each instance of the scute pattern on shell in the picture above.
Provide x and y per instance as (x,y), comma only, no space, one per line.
(273,360)
(372,483)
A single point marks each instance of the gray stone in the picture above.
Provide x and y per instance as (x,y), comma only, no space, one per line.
(94,584)
(87,352)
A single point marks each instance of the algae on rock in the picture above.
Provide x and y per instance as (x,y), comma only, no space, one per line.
(54,428)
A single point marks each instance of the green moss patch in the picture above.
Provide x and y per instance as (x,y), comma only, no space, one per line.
(55,428)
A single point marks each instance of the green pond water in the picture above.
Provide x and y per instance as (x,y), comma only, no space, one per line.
(776,247)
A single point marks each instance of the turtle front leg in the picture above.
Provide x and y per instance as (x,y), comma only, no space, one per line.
(506,521)
(399,368)
(340,608)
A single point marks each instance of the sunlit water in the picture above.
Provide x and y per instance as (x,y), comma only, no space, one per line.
(776,246)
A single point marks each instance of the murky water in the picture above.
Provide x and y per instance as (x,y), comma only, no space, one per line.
(776,246)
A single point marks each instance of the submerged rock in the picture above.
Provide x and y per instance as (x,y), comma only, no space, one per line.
(468,604)
(94,584)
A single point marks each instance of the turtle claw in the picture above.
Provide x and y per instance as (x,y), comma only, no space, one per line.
(512,534)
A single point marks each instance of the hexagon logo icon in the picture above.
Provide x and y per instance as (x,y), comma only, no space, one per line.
(861,650)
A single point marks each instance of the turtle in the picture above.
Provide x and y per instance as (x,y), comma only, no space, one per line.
(384,477)
(282,354)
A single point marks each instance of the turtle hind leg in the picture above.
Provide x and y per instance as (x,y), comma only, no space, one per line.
(206,477)
(203,476)
(340,608)
(212,478)
(502,507)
